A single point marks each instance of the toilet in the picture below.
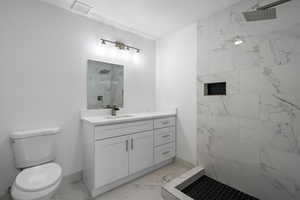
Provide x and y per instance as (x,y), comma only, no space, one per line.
(34,154)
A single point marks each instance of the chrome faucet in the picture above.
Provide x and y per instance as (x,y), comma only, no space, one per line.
(114,109)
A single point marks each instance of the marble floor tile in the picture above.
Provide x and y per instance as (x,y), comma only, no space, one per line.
(147,187)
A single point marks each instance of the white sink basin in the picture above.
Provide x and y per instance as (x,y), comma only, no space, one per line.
(118,116)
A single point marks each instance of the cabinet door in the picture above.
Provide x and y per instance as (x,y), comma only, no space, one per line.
(141,154)
(111,160)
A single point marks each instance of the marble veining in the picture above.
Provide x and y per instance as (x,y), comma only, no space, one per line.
(250,138)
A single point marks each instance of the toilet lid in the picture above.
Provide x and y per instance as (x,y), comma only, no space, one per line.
(39,177)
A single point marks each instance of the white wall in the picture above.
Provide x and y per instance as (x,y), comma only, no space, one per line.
(176,85)
(43,55)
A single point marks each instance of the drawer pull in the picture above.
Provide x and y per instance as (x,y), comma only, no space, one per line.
(165,123)
(165,136)
(126,145)
(166,152)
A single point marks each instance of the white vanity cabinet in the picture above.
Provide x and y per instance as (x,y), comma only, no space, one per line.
(118,157)
(164,139)
(141,151)
(119,151)
(111,160)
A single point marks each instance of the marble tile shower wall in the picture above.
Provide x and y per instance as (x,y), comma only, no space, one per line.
(250,138)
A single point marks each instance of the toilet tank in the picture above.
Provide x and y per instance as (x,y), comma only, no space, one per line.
(33,147)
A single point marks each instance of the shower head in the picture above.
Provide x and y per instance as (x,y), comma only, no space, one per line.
(264,13)
(260,15)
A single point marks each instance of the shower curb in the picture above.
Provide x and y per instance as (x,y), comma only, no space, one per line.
(172,190)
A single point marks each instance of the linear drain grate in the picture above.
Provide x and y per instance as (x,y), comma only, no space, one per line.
(206,188)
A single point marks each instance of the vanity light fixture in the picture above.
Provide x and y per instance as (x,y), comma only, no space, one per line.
(238,41)
(120,45)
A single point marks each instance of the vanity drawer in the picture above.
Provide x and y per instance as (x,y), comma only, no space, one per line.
(115,130)
(164,122)
(164,135)
(164,152)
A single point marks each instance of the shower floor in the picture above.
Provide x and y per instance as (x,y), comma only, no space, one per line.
(206,188)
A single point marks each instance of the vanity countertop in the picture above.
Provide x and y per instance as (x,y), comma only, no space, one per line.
(103,120)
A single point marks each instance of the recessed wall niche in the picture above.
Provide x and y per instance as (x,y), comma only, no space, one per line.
(217,88)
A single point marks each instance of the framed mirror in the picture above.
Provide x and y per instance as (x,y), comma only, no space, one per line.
(105,85)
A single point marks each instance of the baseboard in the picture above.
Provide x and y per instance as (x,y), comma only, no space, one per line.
(184,163)
(71,178)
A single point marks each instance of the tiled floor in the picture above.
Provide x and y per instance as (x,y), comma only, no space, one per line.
(144,188)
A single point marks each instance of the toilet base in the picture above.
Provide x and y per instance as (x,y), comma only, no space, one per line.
(46,194)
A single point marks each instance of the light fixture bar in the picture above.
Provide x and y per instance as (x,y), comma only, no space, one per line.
(120,45)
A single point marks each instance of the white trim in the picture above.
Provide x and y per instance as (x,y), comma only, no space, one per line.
(184,163)
(75,177)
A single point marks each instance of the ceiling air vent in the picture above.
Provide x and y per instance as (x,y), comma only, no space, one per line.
(81,7)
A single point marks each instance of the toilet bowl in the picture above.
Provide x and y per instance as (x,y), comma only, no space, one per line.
(37,183)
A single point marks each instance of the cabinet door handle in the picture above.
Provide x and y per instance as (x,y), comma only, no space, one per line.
(126,145)
(131,143)
(166,152)
(165,136)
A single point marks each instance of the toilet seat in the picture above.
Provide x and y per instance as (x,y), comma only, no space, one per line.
(39,177)
(37,183)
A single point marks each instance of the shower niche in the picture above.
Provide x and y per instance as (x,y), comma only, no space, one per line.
(217,88)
